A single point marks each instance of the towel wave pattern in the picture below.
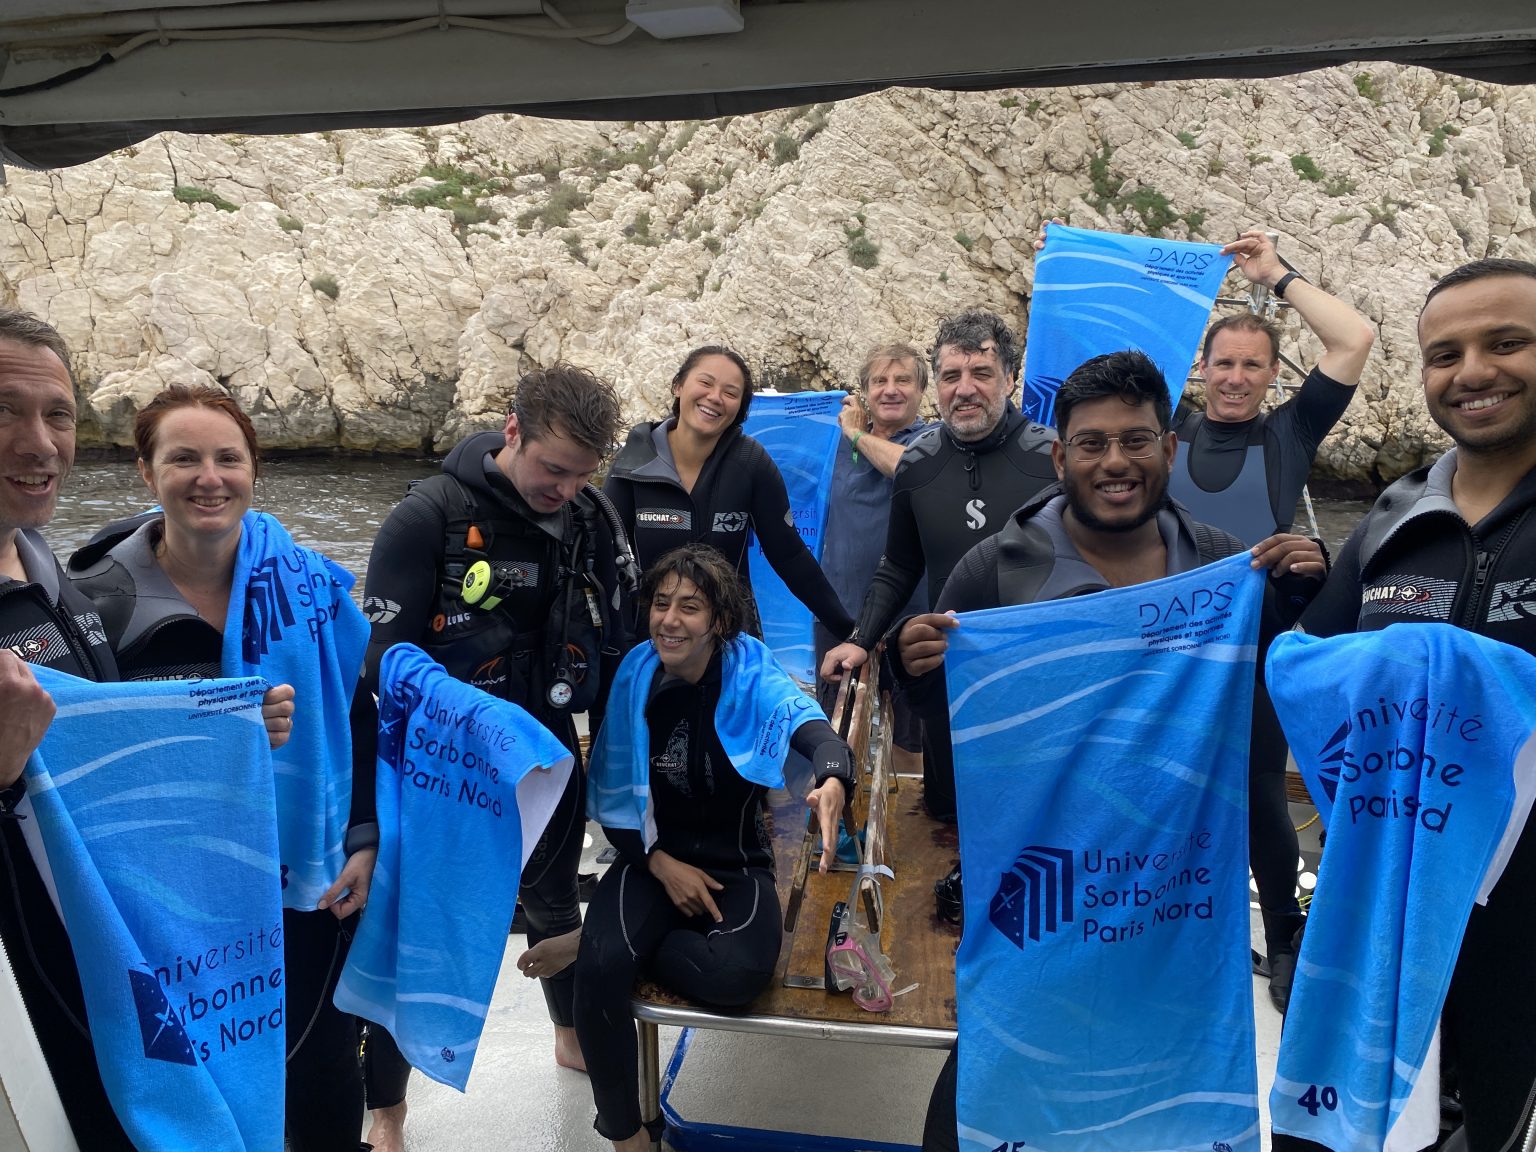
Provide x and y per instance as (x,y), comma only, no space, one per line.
(1103,812)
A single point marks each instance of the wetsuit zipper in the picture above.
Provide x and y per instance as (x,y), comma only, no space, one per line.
(67,626)
(1475,608)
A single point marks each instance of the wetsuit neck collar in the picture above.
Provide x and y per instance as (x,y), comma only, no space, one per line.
(993,440)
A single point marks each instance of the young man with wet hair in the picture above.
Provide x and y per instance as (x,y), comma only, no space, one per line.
(517,502)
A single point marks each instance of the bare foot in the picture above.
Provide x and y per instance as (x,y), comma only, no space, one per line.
(387,1132)
(548,957)
(568,1051)
(639,1142)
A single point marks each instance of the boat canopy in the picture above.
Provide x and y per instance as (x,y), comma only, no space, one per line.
(79,78)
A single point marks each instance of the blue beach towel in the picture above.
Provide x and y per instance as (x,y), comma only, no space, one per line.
(1098,292)
(291,621)
(760,708)
(1101,763)
(466,784)
(154,803)
(801,433)
(1418,743)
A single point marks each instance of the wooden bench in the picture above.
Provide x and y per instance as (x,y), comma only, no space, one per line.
(920,945)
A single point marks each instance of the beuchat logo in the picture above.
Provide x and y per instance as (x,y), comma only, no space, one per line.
(1035,895)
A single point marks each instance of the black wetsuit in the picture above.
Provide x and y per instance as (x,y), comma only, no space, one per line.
(1414,559)
(1246,478)
(708,816)
(949,496)
(157,635)
(1032,559)
(739,488)
(412,597)
(46,622)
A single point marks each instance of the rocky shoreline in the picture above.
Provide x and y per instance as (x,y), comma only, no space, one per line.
(378,291)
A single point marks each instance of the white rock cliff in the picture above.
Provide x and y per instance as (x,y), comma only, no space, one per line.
(381,290)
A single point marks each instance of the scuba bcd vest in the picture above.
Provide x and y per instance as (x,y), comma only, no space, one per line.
(492,565)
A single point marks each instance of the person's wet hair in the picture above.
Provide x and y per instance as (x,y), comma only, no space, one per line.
(146,425)
(712,574)
(565,400)
(1131,376)
(969,331)
(21,327)
(1242,322)
(1481,270)
(691,361)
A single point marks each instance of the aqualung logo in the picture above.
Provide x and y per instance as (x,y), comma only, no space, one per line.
(267,611)
(1512,600)
(92,629)
(1035,895)
(164,1037)
(379,610)
(730,521)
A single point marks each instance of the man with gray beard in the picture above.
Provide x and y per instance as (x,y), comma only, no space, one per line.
(955,486)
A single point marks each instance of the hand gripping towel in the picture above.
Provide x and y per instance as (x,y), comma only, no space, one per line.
(1101,764)
(466,784)
(291,621)
(760,708)
(1098,292)
(1418,743)
(801,433)
(155,805)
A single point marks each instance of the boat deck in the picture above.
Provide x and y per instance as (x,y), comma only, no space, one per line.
(519,1099)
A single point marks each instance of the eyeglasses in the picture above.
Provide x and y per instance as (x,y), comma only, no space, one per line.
(1135,444)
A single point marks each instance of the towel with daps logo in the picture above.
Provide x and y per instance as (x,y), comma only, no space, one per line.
(1418,743)
(292,621)
(1098,292)
(801,433)
(154,801)
(760,708)
(1101,766)
(466,784)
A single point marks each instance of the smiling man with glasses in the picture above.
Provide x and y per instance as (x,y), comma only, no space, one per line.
(1108,523)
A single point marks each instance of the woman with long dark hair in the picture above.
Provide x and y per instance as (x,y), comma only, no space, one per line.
(695,477)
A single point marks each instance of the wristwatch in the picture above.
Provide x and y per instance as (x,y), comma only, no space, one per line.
(1285,281)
